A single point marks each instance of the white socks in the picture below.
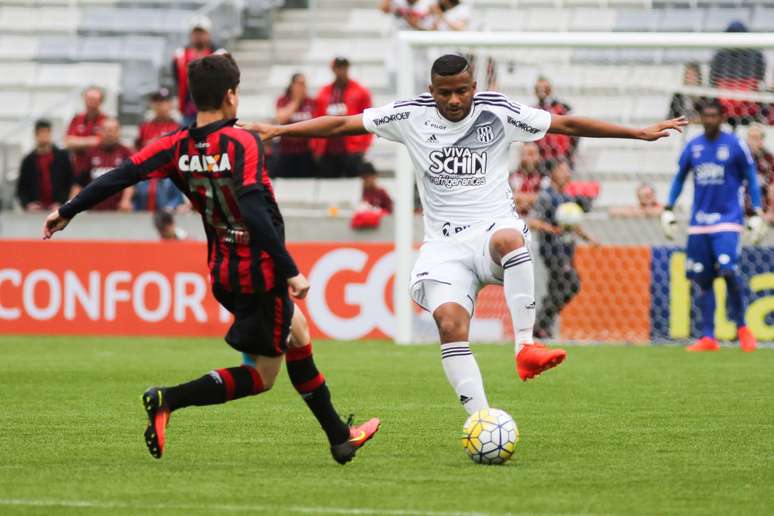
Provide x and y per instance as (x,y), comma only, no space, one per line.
(519,290)
(463,374)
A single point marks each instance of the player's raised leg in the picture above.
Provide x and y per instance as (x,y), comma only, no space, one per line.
(508,248)
(344,439)
(255,376)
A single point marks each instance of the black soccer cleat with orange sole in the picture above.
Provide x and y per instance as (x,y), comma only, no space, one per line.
(158,417)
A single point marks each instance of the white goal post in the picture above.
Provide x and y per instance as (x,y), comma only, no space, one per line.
(412,42)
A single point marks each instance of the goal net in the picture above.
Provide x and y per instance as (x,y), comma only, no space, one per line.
(632,287)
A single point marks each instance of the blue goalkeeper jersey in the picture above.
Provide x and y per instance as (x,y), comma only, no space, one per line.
(720,168)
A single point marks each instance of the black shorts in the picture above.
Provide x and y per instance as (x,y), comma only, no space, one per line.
(261,321)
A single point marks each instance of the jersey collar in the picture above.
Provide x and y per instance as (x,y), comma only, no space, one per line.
(205,130)
(465,120)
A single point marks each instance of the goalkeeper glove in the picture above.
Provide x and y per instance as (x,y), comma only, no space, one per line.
(668,223)
(756,227)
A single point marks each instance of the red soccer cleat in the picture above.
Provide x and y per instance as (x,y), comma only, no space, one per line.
(358,436)
(746,339)
(704,344)
(533,359)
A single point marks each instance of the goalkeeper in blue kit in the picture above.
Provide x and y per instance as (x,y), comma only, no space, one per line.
(720,163)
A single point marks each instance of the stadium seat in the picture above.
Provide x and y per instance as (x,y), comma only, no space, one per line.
(589,19)
(504,20)
(762,19)
(687,55)
(17,75)
(681,20)
(339,191)
(718,18)
(14,104)
(58,48)
(256,107)
(105,48)
(18,48)
(548,19)
(296,190)
(144,48)
(637,20)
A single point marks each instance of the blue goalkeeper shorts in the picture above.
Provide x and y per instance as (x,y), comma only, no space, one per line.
(711,253)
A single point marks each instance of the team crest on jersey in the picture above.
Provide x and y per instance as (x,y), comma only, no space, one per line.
(204,163)
(696,150)
(485,133)
(723,153)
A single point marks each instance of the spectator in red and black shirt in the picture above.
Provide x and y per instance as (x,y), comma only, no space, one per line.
(343,156)
(157,194)
(220,168)
(526,181)
(295,158)
(46,173)
(553,146)
(373,194)
(103,158)
(200,45)
(83,131)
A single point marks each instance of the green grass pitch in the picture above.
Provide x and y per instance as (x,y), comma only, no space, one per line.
(614,430)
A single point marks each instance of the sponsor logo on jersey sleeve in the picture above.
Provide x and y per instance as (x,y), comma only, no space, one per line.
(523,126)
(395,117)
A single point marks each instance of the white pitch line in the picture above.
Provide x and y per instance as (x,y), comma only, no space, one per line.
(97,504)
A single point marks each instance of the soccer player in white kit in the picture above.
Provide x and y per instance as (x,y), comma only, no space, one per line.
(458,140)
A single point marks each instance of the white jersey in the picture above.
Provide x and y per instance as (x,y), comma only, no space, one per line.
(461,167)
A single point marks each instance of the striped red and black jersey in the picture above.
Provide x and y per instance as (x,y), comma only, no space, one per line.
(221,169)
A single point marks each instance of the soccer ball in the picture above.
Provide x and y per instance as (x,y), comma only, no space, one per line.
(490,436)
(569,214)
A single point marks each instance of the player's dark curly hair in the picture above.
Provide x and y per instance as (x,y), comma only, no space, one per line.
(210,78)
(450,64)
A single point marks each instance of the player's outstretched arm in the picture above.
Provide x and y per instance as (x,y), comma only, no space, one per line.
(321,127)
(591,128)
(97,191)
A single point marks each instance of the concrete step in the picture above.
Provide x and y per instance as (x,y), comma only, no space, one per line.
(308,15)
(322,29)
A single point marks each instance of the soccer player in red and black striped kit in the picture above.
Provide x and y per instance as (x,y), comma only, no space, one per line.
(220,168)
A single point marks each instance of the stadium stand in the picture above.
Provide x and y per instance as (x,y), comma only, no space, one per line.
(50,49)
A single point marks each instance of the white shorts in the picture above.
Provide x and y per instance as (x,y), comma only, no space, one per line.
(453,269)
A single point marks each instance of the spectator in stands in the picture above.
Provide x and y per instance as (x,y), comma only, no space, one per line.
(553,146)
(157,194)
(688,105)
(164,222)
(738,69)
(295,157)
(106,156)
(525,181)
(768,215)
(409,14)
(450,15)
(46,173)
(647,204)
(764,162)
(342,157)
(557,248)
(373,194)
(200,45)
(83,131)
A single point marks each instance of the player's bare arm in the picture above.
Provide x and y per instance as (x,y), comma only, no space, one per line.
(321,127)
(589,127)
